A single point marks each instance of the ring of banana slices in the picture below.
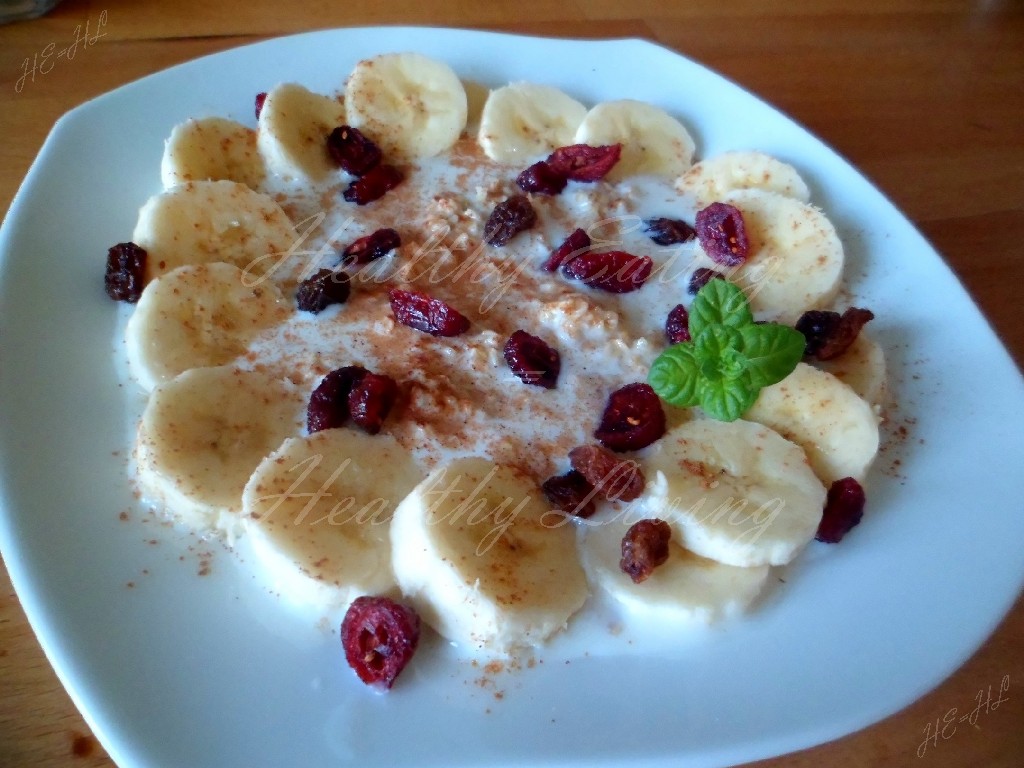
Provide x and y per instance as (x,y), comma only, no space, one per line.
(462,531)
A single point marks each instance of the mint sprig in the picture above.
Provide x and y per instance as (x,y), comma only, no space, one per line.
(730,358)
(719,302)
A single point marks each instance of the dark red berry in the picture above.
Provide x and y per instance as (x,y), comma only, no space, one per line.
(508,219)
(850,325)
(817,326)
(581,162)
(829,334)
(644,548)
(612,271)
(379,637)
(541,179)
(633,418)
(260,98)
(702,276)
(371,247)
(574,245)
(370,401)
(570,493)
(669,231)
(126,271)
(318,292)
(424,313)
(844,507)
(353,151)
(373,185)
(328,405)
(532,359)
(677,325)
(722,234)
(614,478)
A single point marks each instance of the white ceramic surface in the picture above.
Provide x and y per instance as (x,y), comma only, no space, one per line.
(180,669)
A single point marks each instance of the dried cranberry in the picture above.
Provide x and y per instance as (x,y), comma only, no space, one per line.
(702,276)
(371,247)
(574,245)
(616,479)
(582,162)
(532,359)
(508,219)
(570,493)
(829,334)
(373,185)
(612,271)
(370,401)
(126,271)
(644,548)
(677,325)
(844,507)
(328,405)
(722,234)
(850,325)
(541,179)
(260,99)
(669,231)
(817,326)
(424,313)
(353,151)
(633,418)
(318,292)
(379,637)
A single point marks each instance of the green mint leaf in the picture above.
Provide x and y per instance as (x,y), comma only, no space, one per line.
(771,351)
(726,400)
(730,358)
(674,375)
(723,391)
(719,302)
(718,349)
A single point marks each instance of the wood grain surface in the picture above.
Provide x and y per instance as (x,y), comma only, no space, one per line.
(926,97)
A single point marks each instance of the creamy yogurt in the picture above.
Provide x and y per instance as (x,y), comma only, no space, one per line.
(459,396)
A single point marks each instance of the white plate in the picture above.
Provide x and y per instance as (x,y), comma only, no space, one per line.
(182,670)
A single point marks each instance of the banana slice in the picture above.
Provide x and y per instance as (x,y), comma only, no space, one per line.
(796,257)
(203,221)
(293,129)
(862,368)
(710,179)
(317,511)
(522,121)
(197,316)
(412,106)
(685,588)
(202,435)
(653,142)
(735,492)
(212,149)
(471,550)
(814,409)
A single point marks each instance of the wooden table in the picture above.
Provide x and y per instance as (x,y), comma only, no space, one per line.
(925,96)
